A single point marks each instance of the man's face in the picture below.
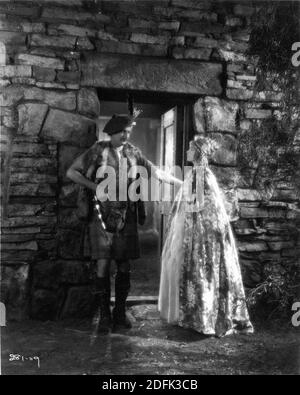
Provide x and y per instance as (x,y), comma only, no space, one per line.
(122,137)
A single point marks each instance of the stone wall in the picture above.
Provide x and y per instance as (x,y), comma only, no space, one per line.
(53,57)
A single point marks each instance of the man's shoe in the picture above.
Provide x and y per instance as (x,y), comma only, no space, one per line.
(120,321)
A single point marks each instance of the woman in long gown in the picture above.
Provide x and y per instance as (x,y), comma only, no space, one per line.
(201,284)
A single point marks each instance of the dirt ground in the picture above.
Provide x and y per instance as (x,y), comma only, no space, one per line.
(150,347)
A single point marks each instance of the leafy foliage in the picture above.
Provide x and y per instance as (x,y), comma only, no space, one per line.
(276,294)
(269,147)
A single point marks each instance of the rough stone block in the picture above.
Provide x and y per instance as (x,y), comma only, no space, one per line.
(249,195)
(20,178)
(68,221)
(196,4)
(40,61)
(23,231)
(269,96)
(245,77)
(111,46)
(235,84)
(15,71)
(281,228)
(14,291)
(258,113)
(73,86)
(148,39)
(241,35)
(30,245)
(70,77)
(48,52)
(199,116)
(11,26)
(39,40)
(103,35)
(69,128)
(226,153)
(136,23)
(13,257)
(67,155)
(29,10)
(177,41)
(221,115)
(226,176)
(252,247)
(47,274)
(243,10)
(286,195)
(239,94)
(279,245)
(27,210)
(63,100)
(205,42)
(205,27)
(23,81)
(84,44)
(45,304)
(29,149)
(75,272)
(68,195)
(231,56)
(44,74)
(70,240)
(33,27)
(71,30)
(50,85)
(79,302)
(233,21)
(36,190)
(170,25)
(4,83)
(231,203)
(88,102)
(131,72)
(29,221)
(31,118)
(13,38)
(74,15)
(191,53)
(21,26)
(251,272)
(255,212)
(131,48)
(10,120)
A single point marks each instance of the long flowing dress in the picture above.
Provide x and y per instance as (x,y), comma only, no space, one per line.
(201,284)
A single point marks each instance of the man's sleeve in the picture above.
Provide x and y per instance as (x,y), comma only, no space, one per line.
(87,158)
(143,161)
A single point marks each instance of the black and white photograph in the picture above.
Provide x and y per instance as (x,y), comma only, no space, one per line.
(150,190)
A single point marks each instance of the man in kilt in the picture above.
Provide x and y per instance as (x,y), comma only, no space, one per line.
(101,245)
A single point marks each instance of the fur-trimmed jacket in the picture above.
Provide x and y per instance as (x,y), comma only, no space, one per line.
(102,154)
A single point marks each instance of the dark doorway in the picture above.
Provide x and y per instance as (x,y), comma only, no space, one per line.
(162,132)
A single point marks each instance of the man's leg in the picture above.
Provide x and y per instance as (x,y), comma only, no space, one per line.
(102,317)
(122,287)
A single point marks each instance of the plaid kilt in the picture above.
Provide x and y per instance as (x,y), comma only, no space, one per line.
(99,244)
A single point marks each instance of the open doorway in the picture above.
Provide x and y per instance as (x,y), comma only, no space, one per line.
(162,132)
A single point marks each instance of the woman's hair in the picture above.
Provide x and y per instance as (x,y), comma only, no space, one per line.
(203,146)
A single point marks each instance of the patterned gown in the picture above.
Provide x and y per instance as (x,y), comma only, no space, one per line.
(201,285)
